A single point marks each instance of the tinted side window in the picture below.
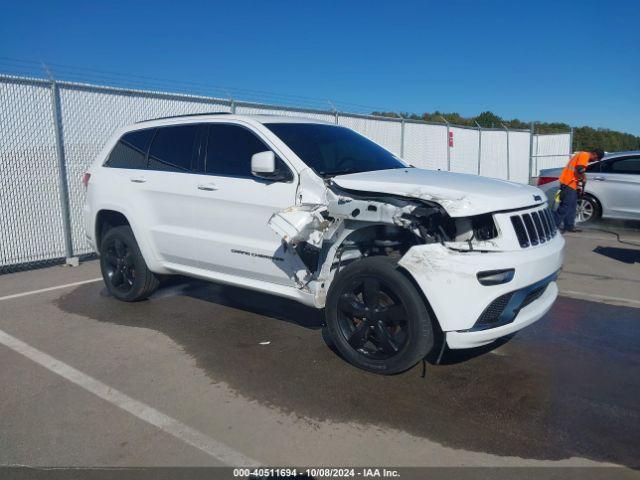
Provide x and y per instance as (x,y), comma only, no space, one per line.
(131,150)
(624,165)
(172,148)
(594,167)
(229,150)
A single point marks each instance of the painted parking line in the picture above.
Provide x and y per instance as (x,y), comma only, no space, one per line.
(150,415)
(49,289)
(595,296)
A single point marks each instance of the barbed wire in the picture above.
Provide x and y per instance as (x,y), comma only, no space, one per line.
(62,72)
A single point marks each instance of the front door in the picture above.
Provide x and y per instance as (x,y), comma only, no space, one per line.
(234,209)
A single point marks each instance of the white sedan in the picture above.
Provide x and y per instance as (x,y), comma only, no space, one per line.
(612,190)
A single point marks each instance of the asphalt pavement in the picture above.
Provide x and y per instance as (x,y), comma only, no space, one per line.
(202,373)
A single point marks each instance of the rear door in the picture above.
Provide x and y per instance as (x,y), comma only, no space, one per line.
(118,183)
(166,192)
(617,185)
(234,208)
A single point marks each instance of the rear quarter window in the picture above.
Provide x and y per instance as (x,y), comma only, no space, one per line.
(131,150)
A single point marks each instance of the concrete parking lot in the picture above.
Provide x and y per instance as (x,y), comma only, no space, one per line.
(204,374)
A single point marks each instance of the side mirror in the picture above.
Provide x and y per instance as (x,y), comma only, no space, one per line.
(263,165)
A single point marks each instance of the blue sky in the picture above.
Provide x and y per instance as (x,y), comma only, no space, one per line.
(576,62)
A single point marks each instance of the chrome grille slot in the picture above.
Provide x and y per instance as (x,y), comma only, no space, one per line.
(521,233)
(552,222)
(545,224)
(542,235)
(531,230)
(534,227)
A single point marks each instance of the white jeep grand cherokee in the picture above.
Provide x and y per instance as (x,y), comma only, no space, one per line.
(397,256)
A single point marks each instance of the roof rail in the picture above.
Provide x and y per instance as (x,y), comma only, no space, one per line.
(185,115)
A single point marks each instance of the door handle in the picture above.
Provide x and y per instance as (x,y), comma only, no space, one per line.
(599,179)
(207,187)
(138,180)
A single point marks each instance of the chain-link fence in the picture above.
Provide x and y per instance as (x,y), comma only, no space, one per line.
(51,131)
(546,151)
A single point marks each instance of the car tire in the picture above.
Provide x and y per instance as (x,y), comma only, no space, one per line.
(124,270)
(376,317)
(589,209)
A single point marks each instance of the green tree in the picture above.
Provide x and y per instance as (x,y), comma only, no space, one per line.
(489,120)
(584,138)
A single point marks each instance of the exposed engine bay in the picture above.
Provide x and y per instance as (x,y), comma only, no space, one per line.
(352,225)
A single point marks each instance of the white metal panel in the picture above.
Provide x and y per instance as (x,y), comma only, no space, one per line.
(519,156)
(550,151)
(425,146)
(494,154)
(464,152)
(384,132)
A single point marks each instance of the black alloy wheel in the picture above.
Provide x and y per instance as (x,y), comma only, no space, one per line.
(121,270)
(376,317)
(124,269)
(372,318)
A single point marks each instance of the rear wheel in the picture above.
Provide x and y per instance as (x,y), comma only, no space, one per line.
(376,318)
(588,209)
(123,268)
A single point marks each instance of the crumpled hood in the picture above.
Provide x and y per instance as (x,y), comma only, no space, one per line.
(460,194)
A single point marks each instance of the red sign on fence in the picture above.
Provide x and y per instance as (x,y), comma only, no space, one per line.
(451,139)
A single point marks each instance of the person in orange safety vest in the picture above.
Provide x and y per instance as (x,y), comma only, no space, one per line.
(572,182)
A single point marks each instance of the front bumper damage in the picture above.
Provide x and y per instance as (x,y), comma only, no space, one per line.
(449,281)
(443,254)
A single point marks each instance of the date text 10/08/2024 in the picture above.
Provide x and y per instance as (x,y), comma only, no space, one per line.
(316,472)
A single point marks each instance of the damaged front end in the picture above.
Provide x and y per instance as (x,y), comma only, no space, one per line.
(351,225)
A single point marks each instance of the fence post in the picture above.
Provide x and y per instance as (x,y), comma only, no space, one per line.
(402,138)
(334,110)
(479,145)
(448,144)
(571,143)
(531,135)
(508,156)
(62,174)
(232,106)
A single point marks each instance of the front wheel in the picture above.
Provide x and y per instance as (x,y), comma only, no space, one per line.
(123,267)
(376,318)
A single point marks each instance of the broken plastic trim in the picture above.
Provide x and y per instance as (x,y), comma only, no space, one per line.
(348,225)
(380,197)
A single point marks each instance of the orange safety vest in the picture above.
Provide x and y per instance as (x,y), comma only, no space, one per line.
(569,176)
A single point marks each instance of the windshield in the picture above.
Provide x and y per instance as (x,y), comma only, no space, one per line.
(333,150)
